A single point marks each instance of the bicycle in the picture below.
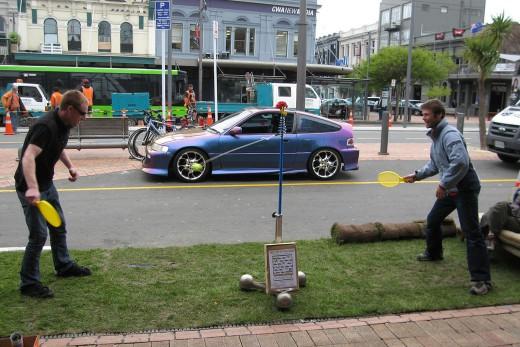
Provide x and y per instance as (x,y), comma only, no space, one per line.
(141,138)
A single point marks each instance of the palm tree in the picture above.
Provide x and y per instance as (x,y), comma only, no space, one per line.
(483,53)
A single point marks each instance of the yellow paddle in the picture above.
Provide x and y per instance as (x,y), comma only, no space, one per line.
(389,179)
(49,213)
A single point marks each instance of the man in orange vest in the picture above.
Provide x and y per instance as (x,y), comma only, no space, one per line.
(13,106)
(88,91)
(56,98)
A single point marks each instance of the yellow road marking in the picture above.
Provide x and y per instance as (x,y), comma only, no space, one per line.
(245,185)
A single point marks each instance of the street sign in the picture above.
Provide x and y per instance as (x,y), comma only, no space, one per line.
(162,15)
(393,82)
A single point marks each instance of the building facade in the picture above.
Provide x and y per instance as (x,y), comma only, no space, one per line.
(357,44)
(327,50)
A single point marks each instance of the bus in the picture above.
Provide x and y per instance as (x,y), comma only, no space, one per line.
(104,80)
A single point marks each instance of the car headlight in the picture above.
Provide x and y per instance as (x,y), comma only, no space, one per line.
(159,148)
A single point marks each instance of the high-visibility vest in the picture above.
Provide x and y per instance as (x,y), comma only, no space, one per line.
(89,94)
(56,99)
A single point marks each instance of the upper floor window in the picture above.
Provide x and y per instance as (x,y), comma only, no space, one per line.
(2,25)
(396,14)
(444,9)
(407,10)
(104,37)
(177,36)
(240,40)
(74,35)
(385,17)
(50,31)
(281,43)
(405,36)
(194,37)
(126,38)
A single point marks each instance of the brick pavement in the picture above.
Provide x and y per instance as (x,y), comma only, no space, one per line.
(483,326)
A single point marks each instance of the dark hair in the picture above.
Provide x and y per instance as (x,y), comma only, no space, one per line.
(436,106)
(73,98)
(56,89)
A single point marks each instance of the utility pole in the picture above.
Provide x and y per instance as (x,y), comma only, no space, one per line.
(367,111)
(408,69)
(301,71)
(202,7)
(169,81)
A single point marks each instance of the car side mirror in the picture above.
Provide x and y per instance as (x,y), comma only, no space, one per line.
(235,131)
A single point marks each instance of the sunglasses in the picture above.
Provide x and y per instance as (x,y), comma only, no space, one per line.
(82,113)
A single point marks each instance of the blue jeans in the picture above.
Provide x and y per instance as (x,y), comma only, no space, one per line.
(466,203)
(30,272)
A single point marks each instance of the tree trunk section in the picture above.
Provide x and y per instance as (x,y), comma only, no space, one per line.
(482,111)
(372,232)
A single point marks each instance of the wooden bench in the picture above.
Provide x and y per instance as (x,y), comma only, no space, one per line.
(109,128)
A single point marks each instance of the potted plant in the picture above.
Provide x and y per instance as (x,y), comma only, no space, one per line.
(14,40)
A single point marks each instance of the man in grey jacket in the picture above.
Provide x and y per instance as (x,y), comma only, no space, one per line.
(458,188)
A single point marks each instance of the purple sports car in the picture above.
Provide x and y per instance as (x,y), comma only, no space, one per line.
(247,142)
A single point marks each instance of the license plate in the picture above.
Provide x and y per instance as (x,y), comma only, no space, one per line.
(500,144)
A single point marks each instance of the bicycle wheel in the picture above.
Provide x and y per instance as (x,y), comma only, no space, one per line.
(131,149)
(142,138)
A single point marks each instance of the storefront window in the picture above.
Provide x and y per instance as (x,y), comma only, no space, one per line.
(177,36)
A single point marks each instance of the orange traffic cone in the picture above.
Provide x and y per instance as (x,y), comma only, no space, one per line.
(390,121)
(8,126)
(209,120)
(351,119)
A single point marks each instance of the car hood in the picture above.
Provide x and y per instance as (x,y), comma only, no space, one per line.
(511,115)
(183,136)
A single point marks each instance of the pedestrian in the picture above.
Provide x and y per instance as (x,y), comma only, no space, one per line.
(500,216)
(56,98)
(43,147)
(458,188)
(88,91)
(13,106)
(190,101)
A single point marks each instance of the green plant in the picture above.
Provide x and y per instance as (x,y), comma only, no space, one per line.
(438,91)
(14,37)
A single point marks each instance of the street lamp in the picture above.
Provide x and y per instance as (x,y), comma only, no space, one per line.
(409,68)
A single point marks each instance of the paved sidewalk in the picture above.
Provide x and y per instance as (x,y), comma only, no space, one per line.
(484,326)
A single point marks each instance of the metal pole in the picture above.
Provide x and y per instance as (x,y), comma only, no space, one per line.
(201,7)
(170,81)
(301,70)
(384,124)
(215,43)
(367,111)
(163,77)
(408,70)
(278,215)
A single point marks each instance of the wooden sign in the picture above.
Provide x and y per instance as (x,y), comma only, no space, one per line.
(281,267)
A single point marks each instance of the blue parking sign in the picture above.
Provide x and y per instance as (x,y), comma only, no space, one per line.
(162,15)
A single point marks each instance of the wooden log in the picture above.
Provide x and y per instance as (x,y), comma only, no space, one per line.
(371,232)
(513,250)
(510,238)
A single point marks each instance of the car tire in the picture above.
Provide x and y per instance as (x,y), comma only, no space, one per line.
(324,164)
(182,165)
(507,158)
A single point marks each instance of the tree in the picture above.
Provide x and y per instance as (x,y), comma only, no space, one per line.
(483,53)
(428,68)
(438,91)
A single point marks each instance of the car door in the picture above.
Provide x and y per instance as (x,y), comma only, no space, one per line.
(258,146)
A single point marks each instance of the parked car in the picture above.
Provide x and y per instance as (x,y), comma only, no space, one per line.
(503,137)
(247,143)
(372,102)
(334,107)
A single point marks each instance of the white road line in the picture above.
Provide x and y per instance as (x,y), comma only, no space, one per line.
(14,249)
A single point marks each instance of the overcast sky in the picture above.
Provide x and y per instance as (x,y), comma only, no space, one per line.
(342,15)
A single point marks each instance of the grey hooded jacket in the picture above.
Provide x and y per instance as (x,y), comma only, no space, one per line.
(450,159)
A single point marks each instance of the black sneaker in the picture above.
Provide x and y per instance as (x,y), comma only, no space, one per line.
(427,257)
(480,288)
(37,290)
(75,271)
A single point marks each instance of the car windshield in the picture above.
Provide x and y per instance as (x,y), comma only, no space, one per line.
(228,122)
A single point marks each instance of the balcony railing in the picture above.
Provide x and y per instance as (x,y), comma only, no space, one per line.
(51,48)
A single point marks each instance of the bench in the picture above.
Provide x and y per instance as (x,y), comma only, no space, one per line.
(109,128)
